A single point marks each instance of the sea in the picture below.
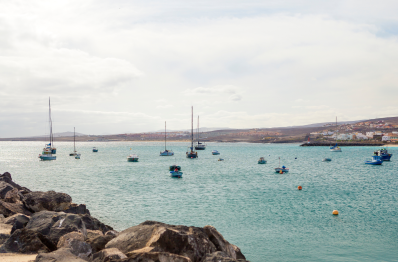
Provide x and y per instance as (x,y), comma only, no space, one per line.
(260,211)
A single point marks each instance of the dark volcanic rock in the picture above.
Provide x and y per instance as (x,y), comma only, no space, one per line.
(191,242)
(52,201)
(77,209)
(145,255)
(12,196)
(6,177)
(75,242)
(9,209)
(60,255)
(18,221)
(3,238)
(26,241)
(4,188)
(56,224)
(98,243)
(109,254)
(222,244)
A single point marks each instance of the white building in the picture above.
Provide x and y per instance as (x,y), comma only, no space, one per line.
(362,137)
(343,137)
(370,134)
(385,138)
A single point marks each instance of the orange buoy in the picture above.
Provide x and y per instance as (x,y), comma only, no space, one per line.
(299,187)
(335,212)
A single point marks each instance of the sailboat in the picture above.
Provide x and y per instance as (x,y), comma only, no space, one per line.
(166,152)
(74,153)
(191,153)
(335,148)
(199,146)
(49,150)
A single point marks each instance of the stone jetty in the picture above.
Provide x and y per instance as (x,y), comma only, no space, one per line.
(50,225)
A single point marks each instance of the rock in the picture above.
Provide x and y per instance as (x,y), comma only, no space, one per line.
(6,177)
(190,242)
(12,196)
(56,224)
(108,254)
(60,255)
(98,243)
(18,221)
(26,241)
(222,244)
(112,233)
(93,233)
(52,201)
(9,209)
(4,189)
(145,255)
(77,209)
(75,242)
(220,256)
(3,238)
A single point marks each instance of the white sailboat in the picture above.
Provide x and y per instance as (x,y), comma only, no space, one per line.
(335,148)
(74,153)
(49,150)
(199,146)
(166,152)
(191,153)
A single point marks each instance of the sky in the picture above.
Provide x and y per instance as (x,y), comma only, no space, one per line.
(123,66)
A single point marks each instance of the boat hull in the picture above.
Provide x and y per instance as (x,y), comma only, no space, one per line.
(176,174)
(95,150)
(199,148)
(132,159)
(192,154)
(335,150)
(326,160)
(279,169)
(262,162)
(167,153)
(378,162)
(47,157)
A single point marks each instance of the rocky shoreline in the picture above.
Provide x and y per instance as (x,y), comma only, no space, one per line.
(50,225)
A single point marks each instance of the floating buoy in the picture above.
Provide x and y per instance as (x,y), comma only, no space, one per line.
(299,187)
(335,212)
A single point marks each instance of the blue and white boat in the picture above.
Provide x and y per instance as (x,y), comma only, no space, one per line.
(262,161)
(49,149)
(95,149)
(282,169)
(335,148)
(383,153)
(132,158)
(47,157)
(376,160)
(215,152)
(177,174)
(77,156)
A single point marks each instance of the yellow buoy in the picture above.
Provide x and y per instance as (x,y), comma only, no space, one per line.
(335,212)
(299,187)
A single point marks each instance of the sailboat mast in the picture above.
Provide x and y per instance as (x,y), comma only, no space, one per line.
(50,121)
(164,135)
(74,140)
(191,128)
(198,130)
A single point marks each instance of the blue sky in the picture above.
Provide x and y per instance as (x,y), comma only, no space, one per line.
(128,66)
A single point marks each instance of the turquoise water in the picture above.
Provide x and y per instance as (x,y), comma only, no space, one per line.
(254,208)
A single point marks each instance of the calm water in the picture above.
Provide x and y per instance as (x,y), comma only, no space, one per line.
(254,208)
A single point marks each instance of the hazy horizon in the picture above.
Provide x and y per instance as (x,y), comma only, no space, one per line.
(126,67)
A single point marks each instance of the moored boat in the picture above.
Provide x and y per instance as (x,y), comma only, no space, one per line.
(77,156)
(173,167)
(335,148)
(177,174)
(199,145)
(166,152)
(326,159)
(95,149)
(282,169)
(262,161)
(215,152)
(383,153)
(47,157)
(376,160)
(191,153)
(132,158)
(74,153)
(49,150)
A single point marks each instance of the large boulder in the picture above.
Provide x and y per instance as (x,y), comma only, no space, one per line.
(6,177)
(76,244)
(3,238)
(26,241)
(9,209)
(220,256)
(146,255)
(4,188)
(190,242)
(60,255)
(18,221)
(109,254)
(77,209)
(98,242)
(56,224)
(52,201)
(222,244)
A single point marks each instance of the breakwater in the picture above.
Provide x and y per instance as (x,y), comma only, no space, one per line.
(50,225)
(342,144)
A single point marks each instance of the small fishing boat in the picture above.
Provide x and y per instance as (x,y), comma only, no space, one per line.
(376,160)
(166,152)
(383,153)
(47,157)
(77,156)
(262,161)
(335,148)
(215,152)
(95,149)
(220,159)
(282,169)
(326,160)
(177,174)
(132,158)
(173,167)
(74,153)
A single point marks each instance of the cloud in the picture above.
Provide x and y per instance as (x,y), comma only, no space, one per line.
(233,93)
